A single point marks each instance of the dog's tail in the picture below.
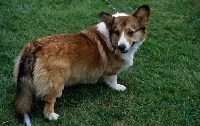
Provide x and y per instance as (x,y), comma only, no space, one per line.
(24,70)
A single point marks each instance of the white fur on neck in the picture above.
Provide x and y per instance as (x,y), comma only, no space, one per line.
(101,27)
(128,57)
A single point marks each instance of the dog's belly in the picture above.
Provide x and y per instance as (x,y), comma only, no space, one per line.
(88,80)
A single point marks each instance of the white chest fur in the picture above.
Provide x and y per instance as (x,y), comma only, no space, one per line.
(129,56)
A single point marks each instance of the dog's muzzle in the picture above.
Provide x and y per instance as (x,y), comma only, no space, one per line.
(122,48)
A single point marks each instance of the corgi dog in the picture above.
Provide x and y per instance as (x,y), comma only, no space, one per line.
(45,66)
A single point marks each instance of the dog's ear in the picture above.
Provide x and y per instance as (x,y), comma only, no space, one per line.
(143,14)
(107,19)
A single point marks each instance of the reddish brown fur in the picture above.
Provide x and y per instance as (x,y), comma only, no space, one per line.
(70,59)
(46,65)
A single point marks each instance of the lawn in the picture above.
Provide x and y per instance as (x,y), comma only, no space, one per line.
(163,85)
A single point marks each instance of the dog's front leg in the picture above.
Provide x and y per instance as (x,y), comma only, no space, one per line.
(112,82)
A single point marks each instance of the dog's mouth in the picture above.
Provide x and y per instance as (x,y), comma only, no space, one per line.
(125,51)
(122,47)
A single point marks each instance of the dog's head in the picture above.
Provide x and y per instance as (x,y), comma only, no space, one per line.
(126,30)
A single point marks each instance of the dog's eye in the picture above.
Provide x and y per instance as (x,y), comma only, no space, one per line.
(130,32)
(117,32)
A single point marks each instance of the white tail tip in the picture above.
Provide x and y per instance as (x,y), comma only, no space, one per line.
(27,120)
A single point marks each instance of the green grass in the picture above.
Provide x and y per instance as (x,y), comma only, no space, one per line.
(163,85)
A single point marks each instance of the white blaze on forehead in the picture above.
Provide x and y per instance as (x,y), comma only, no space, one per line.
(122,40)
(119,14)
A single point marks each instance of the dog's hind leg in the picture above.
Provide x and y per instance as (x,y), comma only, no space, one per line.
(49,107)
(112,82)
(50,100)
(50,78)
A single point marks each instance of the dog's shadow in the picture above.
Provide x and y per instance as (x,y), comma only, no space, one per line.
(74,96)
(81,93)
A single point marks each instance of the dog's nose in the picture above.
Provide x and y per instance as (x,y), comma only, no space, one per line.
(122,47)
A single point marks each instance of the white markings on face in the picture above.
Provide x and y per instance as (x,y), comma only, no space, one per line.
(123,42)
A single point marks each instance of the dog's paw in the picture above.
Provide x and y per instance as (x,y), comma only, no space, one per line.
(118,87)
(52,116)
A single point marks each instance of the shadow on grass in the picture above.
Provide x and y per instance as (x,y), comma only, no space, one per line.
(72,97)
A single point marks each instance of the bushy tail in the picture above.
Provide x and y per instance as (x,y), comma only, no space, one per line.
(25,87)
(24,98)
